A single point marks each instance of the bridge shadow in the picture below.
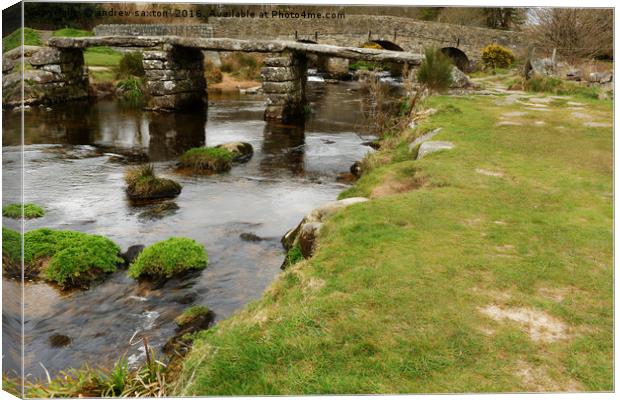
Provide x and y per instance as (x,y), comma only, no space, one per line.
(171,134)
(283,148)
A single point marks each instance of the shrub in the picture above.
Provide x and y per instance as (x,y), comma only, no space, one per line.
(214,159)
(495,56)
(75,259)
(212,73)
(169,257)
(131,64)
(435,72)
(131,90)
(142,183)
(30,211)
(190,314)
(242,65)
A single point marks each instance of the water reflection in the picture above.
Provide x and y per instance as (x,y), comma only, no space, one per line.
(283,148)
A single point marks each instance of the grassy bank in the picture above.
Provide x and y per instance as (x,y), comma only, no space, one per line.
(484,268)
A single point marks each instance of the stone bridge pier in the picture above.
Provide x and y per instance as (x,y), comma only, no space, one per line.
(174,78)
(284,84)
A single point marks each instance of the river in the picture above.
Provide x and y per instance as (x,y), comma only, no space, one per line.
(75,157)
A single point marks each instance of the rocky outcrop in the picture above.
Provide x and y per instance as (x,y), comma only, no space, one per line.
(539,67)
(305,234)
(460,79)
(241,151)
(427,148)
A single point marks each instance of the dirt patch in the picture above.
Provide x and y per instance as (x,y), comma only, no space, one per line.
(536,379)
(540,326)
(392,185)
(231,84)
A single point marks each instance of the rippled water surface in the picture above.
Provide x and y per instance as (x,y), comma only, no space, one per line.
(75,157)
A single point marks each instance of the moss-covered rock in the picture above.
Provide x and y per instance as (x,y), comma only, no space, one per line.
(69,258)
(207,159)
(30,211)
(167,258)
(143,184)
(240,151)
(193,314)
(192,320)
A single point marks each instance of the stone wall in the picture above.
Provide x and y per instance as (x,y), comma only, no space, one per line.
(284,85)
(354,30)
(202,30)
(175,78)
(51,76)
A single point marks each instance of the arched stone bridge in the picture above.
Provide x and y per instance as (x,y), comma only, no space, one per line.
(174,67)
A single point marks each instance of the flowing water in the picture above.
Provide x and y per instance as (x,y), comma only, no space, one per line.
(75,157)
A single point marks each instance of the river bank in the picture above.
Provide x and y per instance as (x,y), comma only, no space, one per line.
(485,268)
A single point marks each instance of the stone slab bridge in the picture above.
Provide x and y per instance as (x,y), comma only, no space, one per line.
(174,67)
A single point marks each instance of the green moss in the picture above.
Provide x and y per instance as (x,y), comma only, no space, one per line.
(142,183)
(190,314)
(30,211)
(169,257)
(294,255)
(13,40)
(215,159)
(73,32)
(76,259)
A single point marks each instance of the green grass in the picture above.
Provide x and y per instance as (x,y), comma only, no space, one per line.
(169,257)
(559,86)
(102,57)
(11,246)
(13,40)
(30,211)
(390,302)
(73,32)
(215,159)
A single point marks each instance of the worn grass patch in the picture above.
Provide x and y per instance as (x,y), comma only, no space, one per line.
(405,276)
(167,258)
(31,210)
(211,159)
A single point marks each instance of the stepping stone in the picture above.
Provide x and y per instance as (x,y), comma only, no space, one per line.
(535,105)
(514,114)
(489,173)
(427,148)
(597,124)
(574,103)
(537,109)
(424,138)
(581,115)
(541,100)
(508,123)
(540,123)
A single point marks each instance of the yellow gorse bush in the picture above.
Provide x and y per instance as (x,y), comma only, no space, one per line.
(496,56)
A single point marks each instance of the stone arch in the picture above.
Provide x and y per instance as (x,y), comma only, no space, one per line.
(459,58)
(387,45)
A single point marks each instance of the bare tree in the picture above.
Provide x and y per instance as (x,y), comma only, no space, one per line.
(574,32)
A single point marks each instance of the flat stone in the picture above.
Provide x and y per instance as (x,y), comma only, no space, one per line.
(279,61)
(514,114)
(427,148)
(486,172)
(424,138)
(541,100)
(283,99)
(537,109)
(508,123)
(281,87)
(540,123)
(279,74)
(16,53)
(46,56)
(581,115)
(172,75)
(597,124)
(160,88)
(574,103)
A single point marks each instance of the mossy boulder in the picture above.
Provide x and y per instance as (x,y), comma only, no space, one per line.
(241,151)
(30,211)
(207,159)
(192,320)
(143,184)
(168,258)
(69,258)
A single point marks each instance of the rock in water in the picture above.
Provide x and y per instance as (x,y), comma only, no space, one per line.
(131,253)
(356,169)
(250,237)
(241,151)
